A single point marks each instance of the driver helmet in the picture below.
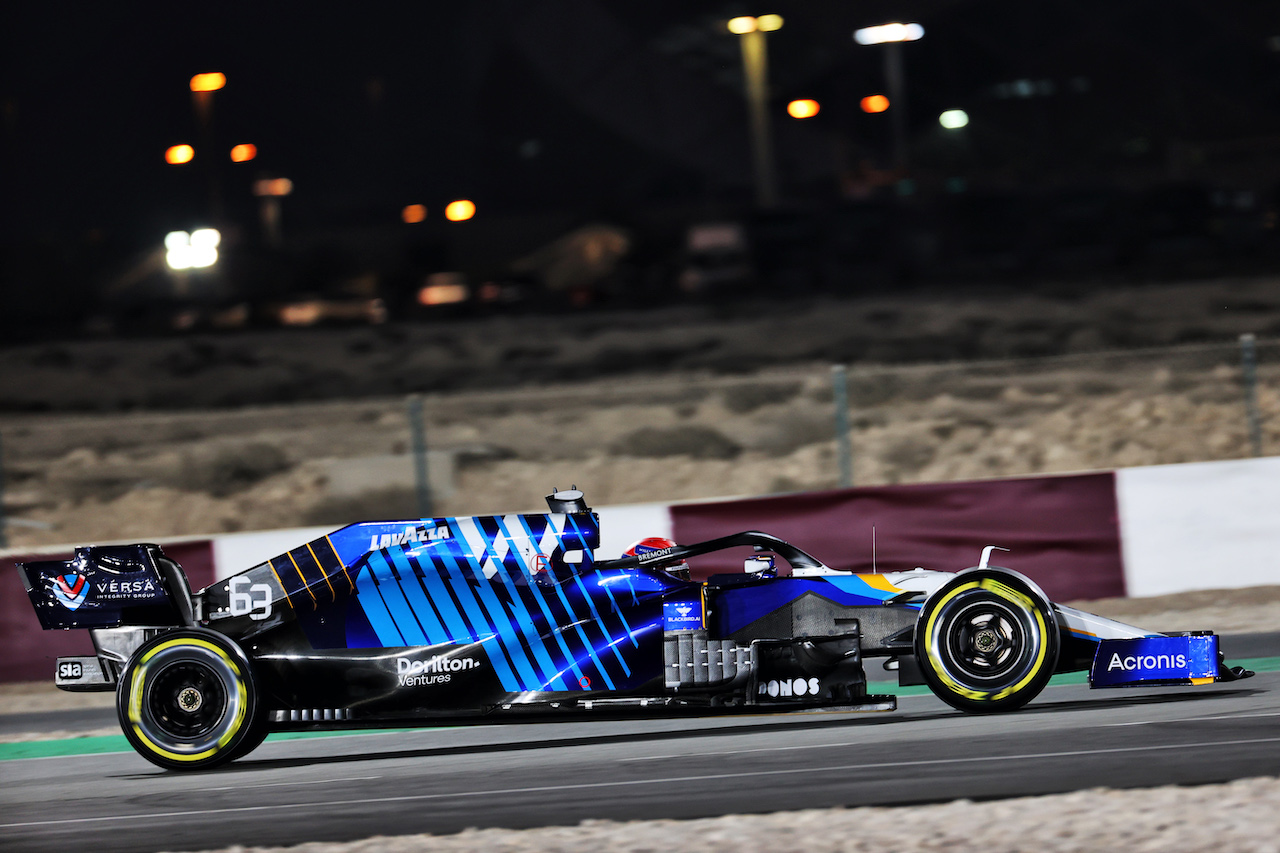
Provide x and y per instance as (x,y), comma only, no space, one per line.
(649,544)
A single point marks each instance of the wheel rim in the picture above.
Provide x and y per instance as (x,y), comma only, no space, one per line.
(187,700)
(986,642)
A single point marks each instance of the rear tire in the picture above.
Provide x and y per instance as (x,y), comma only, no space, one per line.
(187,701)
(987,641)
(259,728)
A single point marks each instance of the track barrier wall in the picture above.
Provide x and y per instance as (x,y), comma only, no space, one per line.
(1062,532)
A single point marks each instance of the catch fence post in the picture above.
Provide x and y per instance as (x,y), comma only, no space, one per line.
(1249,366)
(844,448)
(4,538)
(418,431)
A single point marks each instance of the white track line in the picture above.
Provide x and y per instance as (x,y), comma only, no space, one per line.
(669,781)
(1192,719)
(287,784)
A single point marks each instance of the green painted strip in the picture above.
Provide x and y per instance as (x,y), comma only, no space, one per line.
(117,743)
(70,746)
(1257,664)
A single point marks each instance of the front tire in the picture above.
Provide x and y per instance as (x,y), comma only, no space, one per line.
(187,700)
(987,641)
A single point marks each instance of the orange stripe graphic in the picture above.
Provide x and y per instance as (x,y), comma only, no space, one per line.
(314,603)
(283,588)
(340,563)
(323,571)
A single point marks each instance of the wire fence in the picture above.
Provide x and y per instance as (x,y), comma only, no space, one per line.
(628,440)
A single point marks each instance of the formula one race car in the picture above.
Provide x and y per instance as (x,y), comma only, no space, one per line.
(470,619)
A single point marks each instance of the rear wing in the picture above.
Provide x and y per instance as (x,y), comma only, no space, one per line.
(108,587)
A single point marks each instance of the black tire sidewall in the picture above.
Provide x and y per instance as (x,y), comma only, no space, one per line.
(1036,621)
(218,658)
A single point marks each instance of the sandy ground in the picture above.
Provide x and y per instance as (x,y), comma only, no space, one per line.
(1238,817)
(197,435)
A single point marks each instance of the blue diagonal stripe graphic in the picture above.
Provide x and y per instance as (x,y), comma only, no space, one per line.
(600,622)
(396,603)
(417,599)
(438,591)
(375,609)
(494,606)
(582,635)
(472,598)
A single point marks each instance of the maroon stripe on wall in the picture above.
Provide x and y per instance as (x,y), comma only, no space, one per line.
(1062,532)
(29,651)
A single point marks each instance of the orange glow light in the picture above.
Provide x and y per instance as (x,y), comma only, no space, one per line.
(211,82)
(176,155)
(875,104)
(414,213)
(807,108)
(459,210)
(243,153)
(267,187)
(443,294)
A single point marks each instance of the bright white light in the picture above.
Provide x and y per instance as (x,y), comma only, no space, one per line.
(887,33)
(196,250)
(952,119)
(203,256)
(743,25)
(769,23)
(206,238)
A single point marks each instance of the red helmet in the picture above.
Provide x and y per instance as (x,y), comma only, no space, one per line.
(649,544)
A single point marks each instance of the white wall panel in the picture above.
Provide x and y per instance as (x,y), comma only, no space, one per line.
(620,526)
(235,552)
(1200,525)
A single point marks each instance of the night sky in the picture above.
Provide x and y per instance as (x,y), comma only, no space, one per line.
(593,107)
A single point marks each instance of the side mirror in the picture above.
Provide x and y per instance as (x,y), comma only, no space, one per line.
(760,564)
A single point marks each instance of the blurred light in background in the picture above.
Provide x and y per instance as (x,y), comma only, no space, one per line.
(414,213)
(952,119)
(272,187)
(806,108)
(196,250)
(301,313)
(444,288)
(888,33)
(176,155)
(243,153)
(875,104)
(210,82)
(747,24)
(459,210)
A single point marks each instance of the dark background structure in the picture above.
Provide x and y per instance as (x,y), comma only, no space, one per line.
(1103,138)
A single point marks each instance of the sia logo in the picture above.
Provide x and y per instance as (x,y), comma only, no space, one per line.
(70,590)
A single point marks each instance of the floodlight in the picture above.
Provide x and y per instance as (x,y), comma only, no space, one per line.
(888,33)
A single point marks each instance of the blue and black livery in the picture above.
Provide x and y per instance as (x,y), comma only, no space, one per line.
(472,618)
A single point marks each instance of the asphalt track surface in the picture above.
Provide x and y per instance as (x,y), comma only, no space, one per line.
(526,774)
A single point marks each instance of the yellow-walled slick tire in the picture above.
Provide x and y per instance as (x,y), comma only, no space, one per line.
(187,701)
(987,641)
